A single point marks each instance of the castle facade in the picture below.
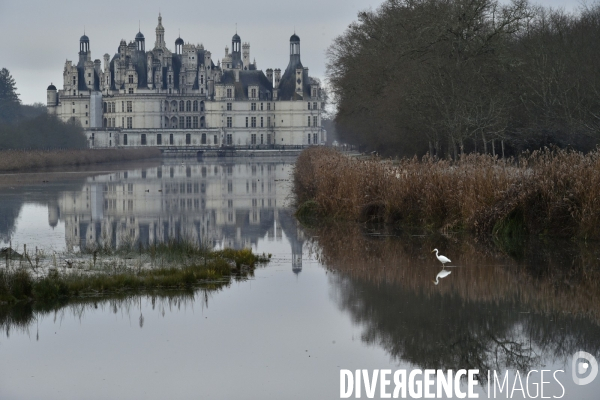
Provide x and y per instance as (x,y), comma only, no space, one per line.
(182,98)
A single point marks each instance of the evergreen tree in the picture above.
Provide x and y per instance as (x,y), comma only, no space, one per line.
(10,104)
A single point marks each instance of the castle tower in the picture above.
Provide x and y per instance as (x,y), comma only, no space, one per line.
(236,52)
(160,34)
(270,75)
(179,46)
(295,46)
(140,42)
(246,55)
(84,49)
(51,99)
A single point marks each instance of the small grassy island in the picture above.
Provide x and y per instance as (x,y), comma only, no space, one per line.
(50,277)
(549,192)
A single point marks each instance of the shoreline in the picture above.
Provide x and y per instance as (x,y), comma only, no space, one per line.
(12,161)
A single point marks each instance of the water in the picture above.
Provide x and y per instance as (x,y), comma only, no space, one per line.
(334,297)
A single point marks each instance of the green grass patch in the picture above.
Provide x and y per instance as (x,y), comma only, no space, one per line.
(200,266)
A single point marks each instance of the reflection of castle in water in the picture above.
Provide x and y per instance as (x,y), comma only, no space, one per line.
(216,204)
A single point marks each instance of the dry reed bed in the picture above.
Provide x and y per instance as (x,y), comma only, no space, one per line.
(16,160)
(550,191)
(544,284)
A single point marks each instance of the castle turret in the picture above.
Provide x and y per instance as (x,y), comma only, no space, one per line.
(246,55)
(51,99)
(140,42)
(179,46)
(160,34)
(236,52)
(84,49)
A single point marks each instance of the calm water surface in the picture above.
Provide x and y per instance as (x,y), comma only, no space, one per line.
(334,297)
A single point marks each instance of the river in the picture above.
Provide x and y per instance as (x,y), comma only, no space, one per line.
(334,297)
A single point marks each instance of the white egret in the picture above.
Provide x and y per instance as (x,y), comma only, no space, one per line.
(443,259)
(442,274)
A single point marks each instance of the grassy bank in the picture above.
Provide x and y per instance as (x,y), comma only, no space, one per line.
(42,277)
(18,160)
(553,192)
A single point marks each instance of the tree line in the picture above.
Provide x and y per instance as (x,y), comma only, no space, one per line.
(29,126)
(455,76)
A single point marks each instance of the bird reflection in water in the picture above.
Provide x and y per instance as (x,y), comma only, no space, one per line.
(442,274)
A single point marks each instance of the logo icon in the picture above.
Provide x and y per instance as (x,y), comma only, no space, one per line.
(584,364)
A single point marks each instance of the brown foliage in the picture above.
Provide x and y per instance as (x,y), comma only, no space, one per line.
(551,191)
(16,160)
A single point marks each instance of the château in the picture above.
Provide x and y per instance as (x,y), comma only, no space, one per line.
(158,97)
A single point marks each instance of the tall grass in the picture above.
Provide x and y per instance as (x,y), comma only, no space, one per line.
(555,192)
(16,160)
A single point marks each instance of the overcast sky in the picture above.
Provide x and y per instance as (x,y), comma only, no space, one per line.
(38,36)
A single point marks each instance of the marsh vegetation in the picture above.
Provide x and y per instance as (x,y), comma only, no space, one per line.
(549,192)
(49,276)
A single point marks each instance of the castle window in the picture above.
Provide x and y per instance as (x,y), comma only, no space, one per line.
(309,138)
(129,107)
(105,107)
(188,106)
(122,106)
(195,105)
(253,106)
(73,111)
(203,141)
(188,122)
(181,122)
(170,79)
(125,139)
(229,106)
(315,121)
(171,141)
(188,138)
(129,122)
(144,143)
(261,122)
(261,138)
(229,93)
(229,138)
(202,79)
(130,78)
(229,122)
(246,120)
(201,90)
(315,105)
(130,90)
(253,138)
(268,121)
(195,120)
(253,92)
(158,139)
(253,122)
(308,121)
(314,93)
(201,122)
(181,106)
(268,106)
(309,105)
(261,106)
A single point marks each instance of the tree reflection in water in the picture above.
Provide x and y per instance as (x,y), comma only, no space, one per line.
(494,312)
